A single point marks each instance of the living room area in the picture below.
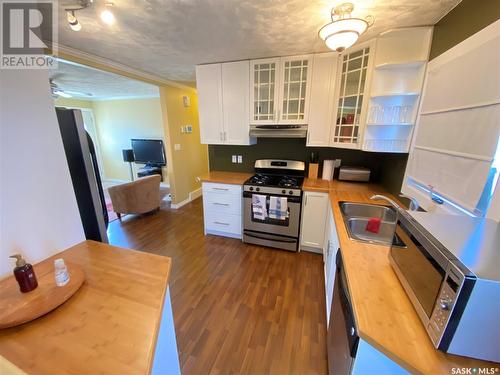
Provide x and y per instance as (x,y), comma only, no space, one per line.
(123,118)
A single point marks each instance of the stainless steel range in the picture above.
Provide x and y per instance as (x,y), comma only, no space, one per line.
(272,201)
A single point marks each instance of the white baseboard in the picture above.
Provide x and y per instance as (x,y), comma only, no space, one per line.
(192,196)
(195,194)
(180,204)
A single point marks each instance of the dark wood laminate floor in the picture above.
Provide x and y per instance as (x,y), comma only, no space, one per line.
(238,308)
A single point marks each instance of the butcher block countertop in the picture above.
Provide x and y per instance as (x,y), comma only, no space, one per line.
(109,326)
(234,178)
(384,315)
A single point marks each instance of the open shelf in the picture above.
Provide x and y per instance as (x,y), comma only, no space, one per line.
(386,145)
(382,94)
(390,124)
(401,65)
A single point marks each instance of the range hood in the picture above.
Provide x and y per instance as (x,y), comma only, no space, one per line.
(278,131)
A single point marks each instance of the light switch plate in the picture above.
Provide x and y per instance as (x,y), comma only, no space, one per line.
(188,129)
(177,147)
(240,159)
(234,159)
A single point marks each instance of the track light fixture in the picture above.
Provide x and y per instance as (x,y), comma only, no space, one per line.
(73,21)
(106,14)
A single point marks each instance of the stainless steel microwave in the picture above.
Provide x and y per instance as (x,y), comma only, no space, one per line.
(450,270)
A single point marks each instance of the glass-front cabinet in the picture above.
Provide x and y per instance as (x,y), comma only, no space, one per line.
(351,103)
(280,90)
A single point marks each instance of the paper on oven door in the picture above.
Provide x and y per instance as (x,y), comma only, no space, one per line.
(259,208)
(278,208)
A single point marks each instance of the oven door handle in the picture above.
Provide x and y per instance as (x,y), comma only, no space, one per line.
(290,199)
(270,239)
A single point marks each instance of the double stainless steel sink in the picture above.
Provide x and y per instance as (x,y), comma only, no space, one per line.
(357,215)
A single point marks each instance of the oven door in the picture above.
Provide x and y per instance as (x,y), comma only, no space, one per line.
(420,266)
(288,227)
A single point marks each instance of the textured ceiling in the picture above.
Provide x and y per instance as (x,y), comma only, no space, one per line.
(169,37)
(100,85)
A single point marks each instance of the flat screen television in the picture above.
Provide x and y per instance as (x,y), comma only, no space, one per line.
(148,151)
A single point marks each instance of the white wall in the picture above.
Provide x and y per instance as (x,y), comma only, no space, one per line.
(38,210)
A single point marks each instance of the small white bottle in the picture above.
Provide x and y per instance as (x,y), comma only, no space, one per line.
(61,272)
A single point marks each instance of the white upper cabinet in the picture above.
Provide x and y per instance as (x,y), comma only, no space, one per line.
(223,91)
(264,92)
(280,90)
(323,79)
(209,87)
(354,73)
(235,93)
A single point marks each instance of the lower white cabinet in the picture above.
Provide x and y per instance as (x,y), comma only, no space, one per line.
(222,209)
(313,222)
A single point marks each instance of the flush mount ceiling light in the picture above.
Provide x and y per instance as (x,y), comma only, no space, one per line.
(344,30)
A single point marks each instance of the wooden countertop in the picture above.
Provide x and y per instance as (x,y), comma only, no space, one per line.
(109,326)
(325,186)
(234,178)
(384,315)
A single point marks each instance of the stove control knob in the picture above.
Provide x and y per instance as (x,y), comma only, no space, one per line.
(290,192)
(257,189)
(445,304)
(283,191)
(251,188)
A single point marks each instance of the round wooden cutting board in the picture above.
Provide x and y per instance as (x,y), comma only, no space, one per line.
(17,308)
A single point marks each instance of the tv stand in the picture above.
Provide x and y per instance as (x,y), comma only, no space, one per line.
(149,170)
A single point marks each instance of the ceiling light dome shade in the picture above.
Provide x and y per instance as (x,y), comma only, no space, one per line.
(341,40)
(345,24)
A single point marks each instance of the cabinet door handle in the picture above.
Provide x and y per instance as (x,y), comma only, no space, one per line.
(225,136)
(220,223)
(220,204)
(305,201)
(223,189)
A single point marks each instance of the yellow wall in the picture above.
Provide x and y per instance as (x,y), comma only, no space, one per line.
(117,122)
(191,160)
(72,103)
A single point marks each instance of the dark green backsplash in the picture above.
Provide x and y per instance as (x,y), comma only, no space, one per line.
(386,169)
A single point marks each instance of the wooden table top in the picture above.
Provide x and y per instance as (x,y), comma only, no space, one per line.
(109,326)
(383,312)
(234,178)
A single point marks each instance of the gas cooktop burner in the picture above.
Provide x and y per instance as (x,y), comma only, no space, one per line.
(275,181)
(288,182)
(260,179)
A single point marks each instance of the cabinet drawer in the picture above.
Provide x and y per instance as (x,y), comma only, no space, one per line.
(226,189)
(221,222)
(223,203)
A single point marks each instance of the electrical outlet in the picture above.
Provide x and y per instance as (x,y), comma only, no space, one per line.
(337,163)
(189,128)
(240,159)
(234,159)
(177,147)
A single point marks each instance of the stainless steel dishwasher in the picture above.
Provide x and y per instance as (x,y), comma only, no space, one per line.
(342,336)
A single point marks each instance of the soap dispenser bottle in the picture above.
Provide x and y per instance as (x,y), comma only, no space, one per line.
(25,274)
